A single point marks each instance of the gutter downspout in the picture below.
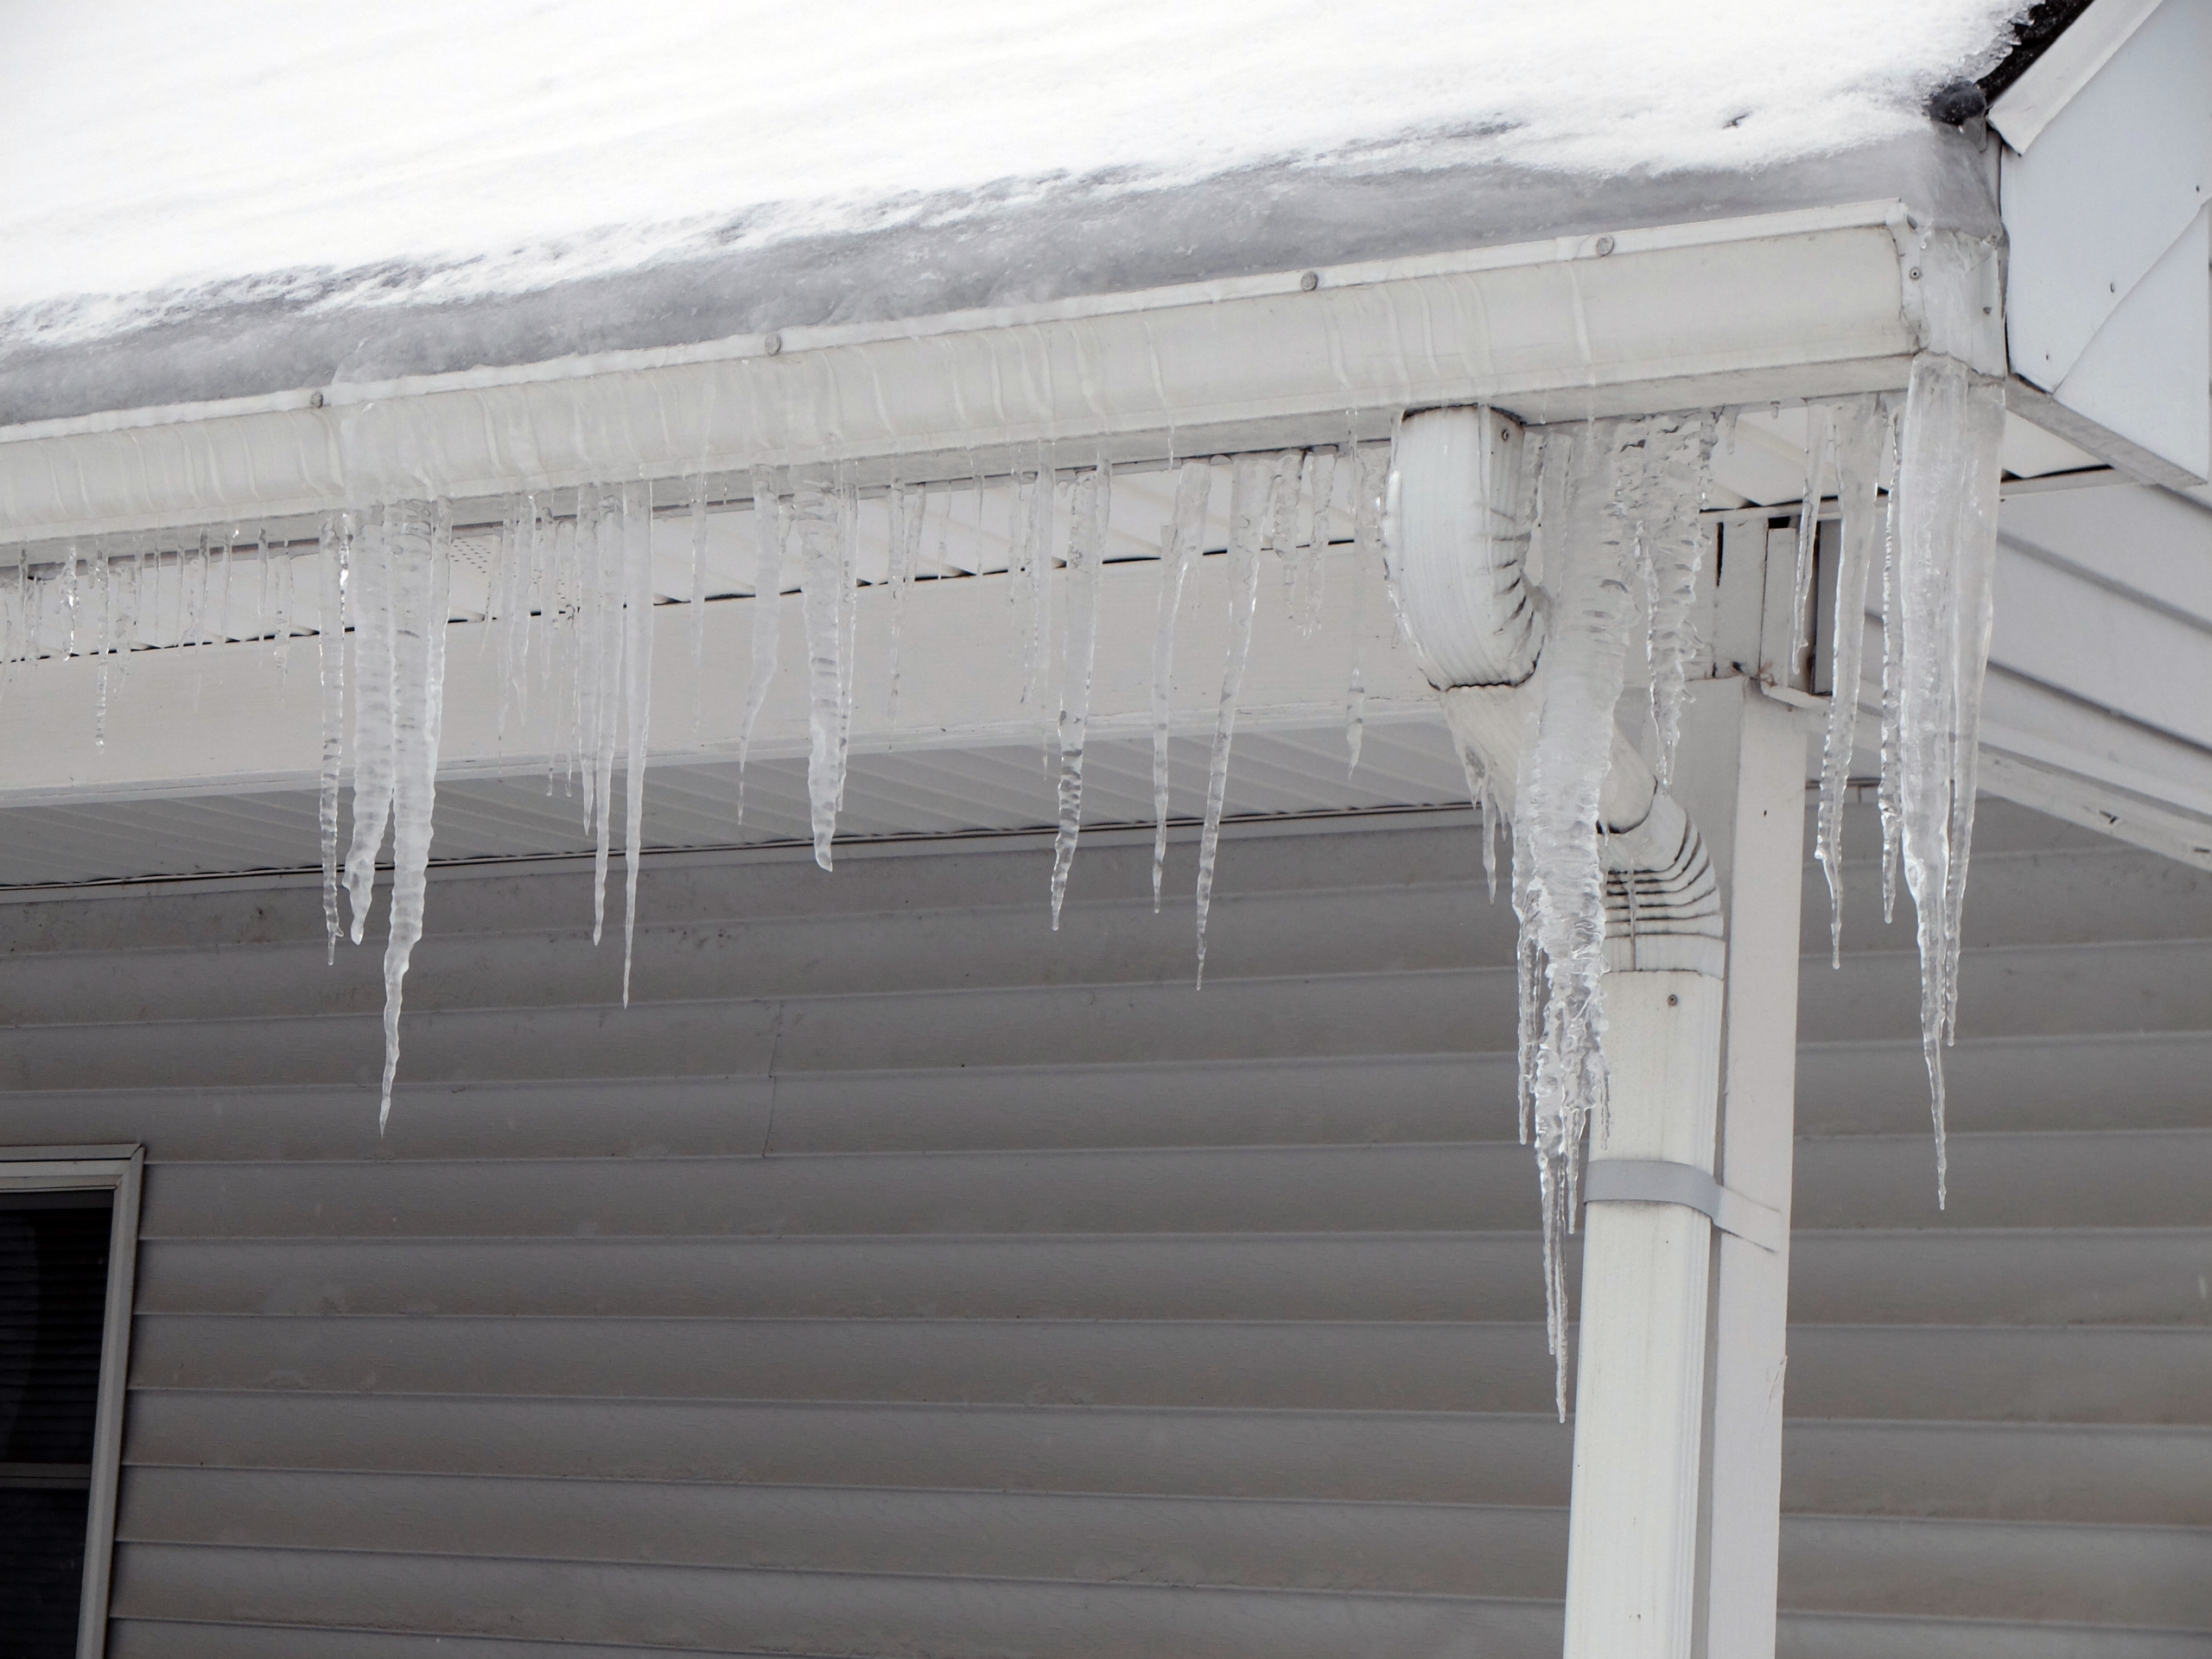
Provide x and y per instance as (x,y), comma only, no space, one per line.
(1456,547)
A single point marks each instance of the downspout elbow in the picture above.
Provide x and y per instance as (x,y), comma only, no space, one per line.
(1458,550)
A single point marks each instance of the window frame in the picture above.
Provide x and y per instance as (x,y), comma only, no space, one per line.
(121,1169)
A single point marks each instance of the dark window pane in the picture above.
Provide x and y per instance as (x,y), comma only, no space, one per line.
(54,1248)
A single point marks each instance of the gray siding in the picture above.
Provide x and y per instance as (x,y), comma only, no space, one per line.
(899,1277)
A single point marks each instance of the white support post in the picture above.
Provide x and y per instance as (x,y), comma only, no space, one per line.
(1639,1402)
(1672,1537)
(1741,775)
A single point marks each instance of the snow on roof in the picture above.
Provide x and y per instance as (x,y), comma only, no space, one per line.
(167,161)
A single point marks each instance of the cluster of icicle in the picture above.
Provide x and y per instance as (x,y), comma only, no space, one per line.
(1614,510)
(102,601)
(1935,539)
(587,572)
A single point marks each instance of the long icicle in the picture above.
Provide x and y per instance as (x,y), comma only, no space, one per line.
(1862,433)
(1249,482)
(330,641)
(821,572)
(767,612)
(1182,540)
(1086,547)
(1559,879)
(1670,541)
(1890,807)
(618,515)
(368,591)
(417,538)
(1366,512)
(637,689)
(698,505)
(1808,530)
(1319,484)
(1948,473)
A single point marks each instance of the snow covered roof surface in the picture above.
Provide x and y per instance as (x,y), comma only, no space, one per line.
(238,162)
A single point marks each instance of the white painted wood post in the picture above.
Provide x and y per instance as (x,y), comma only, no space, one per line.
(1639,1402)
(1673,1538)
(1741,774)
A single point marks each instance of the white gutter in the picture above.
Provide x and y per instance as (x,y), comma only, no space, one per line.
(1808,303)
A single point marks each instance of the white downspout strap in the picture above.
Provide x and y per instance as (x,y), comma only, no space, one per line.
(1652,1180)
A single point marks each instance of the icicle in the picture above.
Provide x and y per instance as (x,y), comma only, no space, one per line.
(261,589)
(1181,541)
(821,574)
(370,591)
(1817,437)
(1318,486)
(1040,504)
(69,601)
(767,612)
(698,600)
(103,641)
(280,603)
(222,612)
(637,670)
(1366,501)
(1559,881)
(1861,432)
(1091,506)
(337,534)
(1282,523)
(1249,482)
(616,515)
(1490,811)
(1947,473)
(1892,771)
(905,507)
(129,598)
(416,544)
(848,617)
(1671,538)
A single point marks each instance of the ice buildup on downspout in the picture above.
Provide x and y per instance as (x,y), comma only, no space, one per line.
(1608,871)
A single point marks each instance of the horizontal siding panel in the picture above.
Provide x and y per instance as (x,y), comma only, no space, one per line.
(2083,1374)
(2017,990)
(2157,1475)
(1814,1635)
(1251,1102)
(2155,1576)
(1283,1276)
(1253,1189)
(1313,1365)
(1407,929)
(810,1612)
(1350,1456)
(1438,1549)
(2008,1275)
(2140,1081)
(2106,1178)
(1440,1012)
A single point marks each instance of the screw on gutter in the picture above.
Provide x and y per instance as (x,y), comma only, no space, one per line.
(1914,273)
(1310,281)
(772,344)
(314,400)
(1605,245)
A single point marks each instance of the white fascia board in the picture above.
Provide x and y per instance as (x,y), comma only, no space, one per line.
(226,719)
(2031,103)
(1808,303)
(2107,285)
